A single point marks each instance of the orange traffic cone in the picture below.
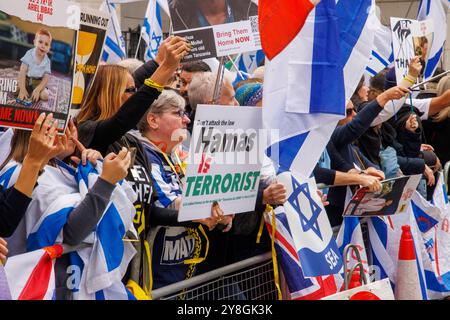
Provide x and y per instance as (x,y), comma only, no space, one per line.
(355,281)
(407,286)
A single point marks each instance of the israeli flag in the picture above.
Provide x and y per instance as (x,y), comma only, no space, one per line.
(384,238)
(435,10)
(151,31)
(427,215)
(99,268)
(248,62)
(440,197)
(310,228)
(114,50)
(300,110)
(382,54)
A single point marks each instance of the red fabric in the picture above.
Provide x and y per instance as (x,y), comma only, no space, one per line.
(279,23)
(364,295)
(37,284)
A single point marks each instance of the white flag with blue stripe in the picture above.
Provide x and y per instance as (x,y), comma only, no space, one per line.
(382,54)
(101,265)
(384,238)
(309,225)
(435,10)
(114,49)
(304,91)
(151,31)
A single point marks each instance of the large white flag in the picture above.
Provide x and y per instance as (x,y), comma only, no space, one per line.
(435,10)
(114,49)
(305,91)
(151,31)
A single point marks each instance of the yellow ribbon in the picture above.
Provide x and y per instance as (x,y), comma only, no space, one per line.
(261,227)
(196,258)
(274,253)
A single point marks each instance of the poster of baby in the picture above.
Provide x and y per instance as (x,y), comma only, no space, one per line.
(37,47)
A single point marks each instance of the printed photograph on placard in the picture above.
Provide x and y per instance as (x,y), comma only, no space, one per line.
(422,44)
(91,38)
(216,28)
(36,71)
(192,14)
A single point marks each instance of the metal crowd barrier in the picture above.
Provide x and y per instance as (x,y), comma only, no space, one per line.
(250,279)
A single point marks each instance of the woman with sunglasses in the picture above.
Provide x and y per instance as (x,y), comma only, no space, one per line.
(110,110)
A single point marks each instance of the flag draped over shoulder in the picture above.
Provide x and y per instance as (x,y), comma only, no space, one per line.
(114,49)
(151,31)
(101,265)
(436,10)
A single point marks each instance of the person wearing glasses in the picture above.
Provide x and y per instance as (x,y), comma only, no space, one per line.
(110,111)
(177,247)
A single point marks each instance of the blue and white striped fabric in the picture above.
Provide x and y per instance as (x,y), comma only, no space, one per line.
(356,37)
(384,237)
(304,94)
(382,54)
(60,189)
(351,233)
(248,62)
(114,50)
(440,197)
(427,215)
(435,10)
(151,31)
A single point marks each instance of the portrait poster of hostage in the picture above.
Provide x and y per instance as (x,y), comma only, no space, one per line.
(394,197)
(216,28)
(37,42)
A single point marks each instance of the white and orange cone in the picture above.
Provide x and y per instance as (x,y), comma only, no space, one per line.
(407,285)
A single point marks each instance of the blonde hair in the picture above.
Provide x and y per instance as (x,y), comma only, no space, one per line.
(105,96)
(443,85)
(19,147)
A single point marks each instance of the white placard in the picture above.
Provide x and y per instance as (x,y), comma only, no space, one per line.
(224,162)
(379,290)
(410,38)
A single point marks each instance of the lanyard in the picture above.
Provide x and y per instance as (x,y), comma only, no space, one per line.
(169,161)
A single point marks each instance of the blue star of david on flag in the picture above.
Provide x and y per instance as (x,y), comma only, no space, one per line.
(293,199)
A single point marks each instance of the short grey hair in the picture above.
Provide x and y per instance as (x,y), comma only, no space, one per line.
(131,64)
(201,89)
(167,100)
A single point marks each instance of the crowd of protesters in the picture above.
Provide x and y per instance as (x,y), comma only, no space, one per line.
(128,121)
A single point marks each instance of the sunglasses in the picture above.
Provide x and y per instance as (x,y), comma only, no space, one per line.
(349,111)
(131,90)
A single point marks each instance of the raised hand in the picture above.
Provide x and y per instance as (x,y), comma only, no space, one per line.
(90,155)
(115,167)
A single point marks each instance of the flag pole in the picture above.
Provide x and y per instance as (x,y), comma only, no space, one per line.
(234,65)
(138,45)
(115,32)
(219,80)
(431,79)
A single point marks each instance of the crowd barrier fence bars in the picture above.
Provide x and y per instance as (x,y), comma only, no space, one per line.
(250,279)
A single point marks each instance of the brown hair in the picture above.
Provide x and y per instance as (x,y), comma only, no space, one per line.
(443,85)
(105,96)
(19,147)
(43,32)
